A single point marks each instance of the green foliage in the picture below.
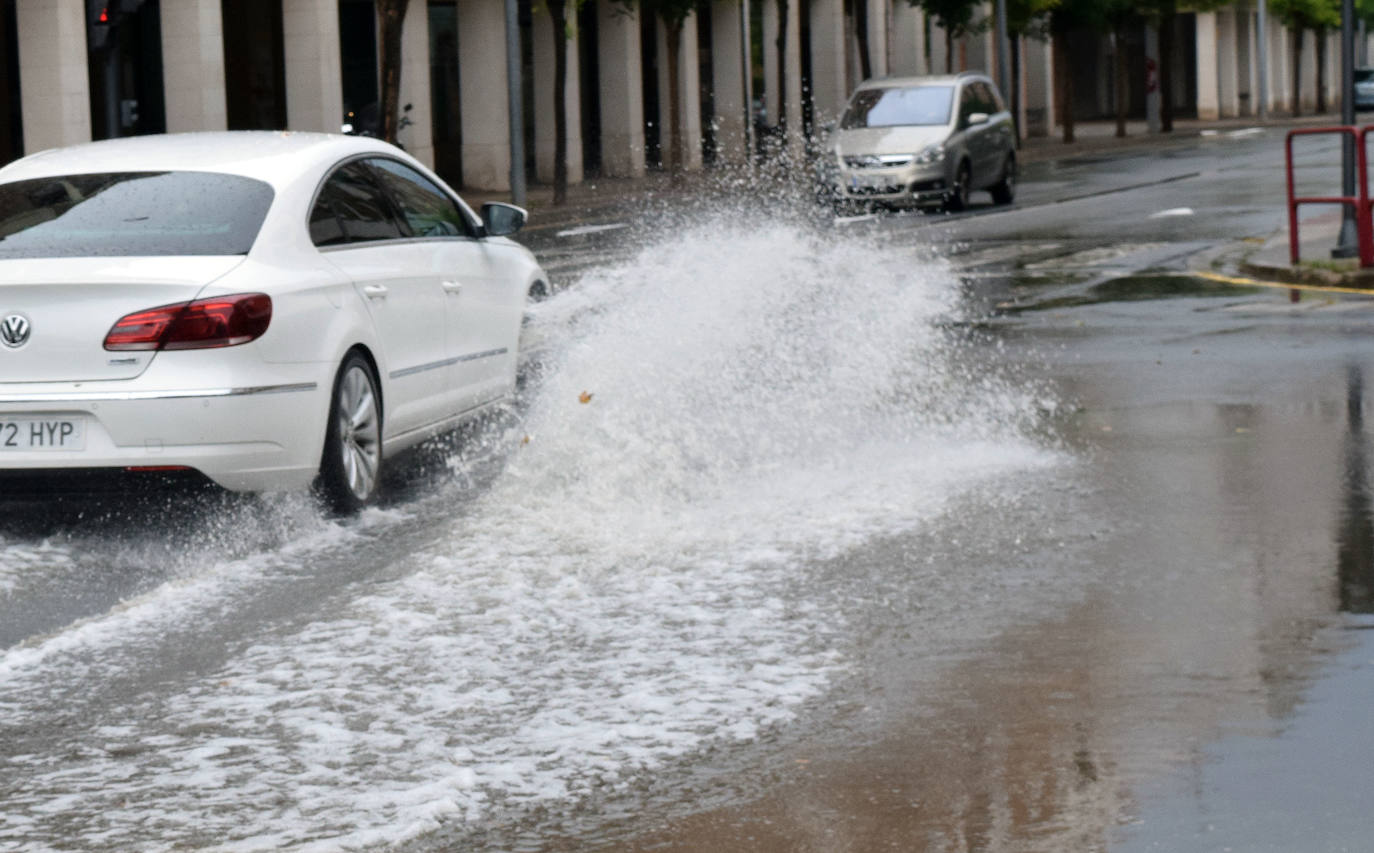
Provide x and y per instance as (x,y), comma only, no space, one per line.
(1031,17)
(959,18)
(1307,14)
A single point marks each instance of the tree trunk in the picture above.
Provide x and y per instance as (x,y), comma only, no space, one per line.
(1122,92)
(1166,68)
(861,34)
(677,140)
(781,43)
(390,19)
(558,13)
(1321,69)
(1297,71)
(1065,80)
(949,51)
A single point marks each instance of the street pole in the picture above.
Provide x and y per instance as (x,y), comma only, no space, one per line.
(1347,245)
(1262,43)
(515,104)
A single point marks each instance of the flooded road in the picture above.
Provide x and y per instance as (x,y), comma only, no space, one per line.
(930,533)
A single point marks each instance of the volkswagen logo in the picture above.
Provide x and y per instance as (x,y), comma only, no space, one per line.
(14,331)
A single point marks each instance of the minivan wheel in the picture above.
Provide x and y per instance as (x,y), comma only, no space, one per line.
(351,466)
(958,194)
(1004,191)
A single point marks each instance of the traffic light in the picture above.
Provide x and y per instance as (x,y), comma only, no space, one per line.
(102,16)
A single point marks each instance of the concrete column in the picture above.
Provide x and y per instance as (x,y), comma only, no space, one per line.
(793,60)
(1309,71)
(1280,77)
(56,101)
(418,136)
(908,41)
(877,35)
(1228,80)
(689,92)
(544,38)
(314,81)
(1208,94)
(977,52)
(1038,60)
(939,51)
(622,91)
(1245,61)
(727,81)
(1333,71)
(482,90)
(829,88)
(193,65)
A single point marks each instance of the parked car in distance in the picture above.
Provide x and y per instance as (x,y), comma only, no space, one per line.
(1364,88)
(262,309)
(922,142)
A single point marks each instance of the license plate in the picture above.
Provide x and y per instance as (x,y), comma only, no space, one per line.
(871,182)
(30,433)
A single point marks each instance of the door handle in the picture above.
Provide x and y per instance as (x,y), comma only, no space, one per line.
(454,287)
(374,291)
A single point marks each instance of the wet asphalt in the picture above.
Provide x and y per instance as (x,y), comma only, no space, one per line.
(1198,679)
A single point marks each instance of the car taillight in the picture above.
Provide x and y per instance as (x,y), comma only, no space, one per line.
(221,321)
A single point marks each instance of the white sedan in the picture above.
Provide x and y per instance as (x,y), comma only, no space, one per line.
(267,309)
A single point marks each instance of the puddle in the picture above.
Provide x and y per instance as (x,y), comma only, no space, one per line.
(1132,288)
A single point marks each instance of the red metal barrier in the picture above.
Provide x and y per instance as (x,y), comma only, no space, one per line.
(1361,203)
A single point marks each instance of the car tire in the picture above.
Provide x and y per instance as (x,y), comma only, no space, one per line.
(351,465)
(958,193)
(1004,191)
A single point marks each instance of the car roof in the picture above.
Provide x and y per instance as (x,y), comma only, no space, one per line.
(924,80)
(276,157)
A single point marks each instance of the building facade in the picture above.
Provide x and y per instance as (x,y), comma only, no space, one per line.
(76,70)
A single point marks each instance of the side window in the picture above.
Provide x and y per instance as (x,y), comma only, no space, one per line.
(351,209)
(994,98)
(968,104)
(427,211)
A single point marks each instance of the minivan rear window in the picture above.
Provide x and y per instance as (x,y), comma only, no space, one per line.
(916,105)
(131,214)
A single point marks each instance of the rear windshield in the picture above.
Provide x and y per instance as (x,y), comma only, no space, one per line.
(894,107)
(1364,75)
(131,213)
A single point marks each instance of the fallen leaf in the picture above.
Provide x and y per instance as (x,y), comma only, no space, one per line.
(525,440)
(584,397)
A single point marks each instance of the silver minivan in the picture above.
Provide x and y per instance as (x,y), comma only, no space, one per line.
(923,142)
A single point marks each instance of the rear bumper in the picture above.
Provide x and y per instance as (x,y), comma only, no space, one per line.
(261,435)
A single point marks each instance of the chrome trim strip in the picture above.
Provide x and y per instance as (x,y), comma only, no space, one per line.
(123,396)
(411,371)
(448,362)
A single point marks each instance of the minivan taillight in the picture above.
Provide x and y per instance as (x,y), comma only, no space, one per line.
(220,321)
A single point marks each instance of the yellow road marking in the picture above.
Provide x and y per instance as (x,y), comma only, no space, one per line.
(1242,281)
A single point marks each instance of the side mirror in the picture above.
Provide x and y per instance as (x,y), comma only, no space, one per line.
(978,118)
(500,220)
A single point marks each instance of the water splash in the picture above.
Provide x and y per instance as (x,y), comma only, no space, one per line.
(715,413)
